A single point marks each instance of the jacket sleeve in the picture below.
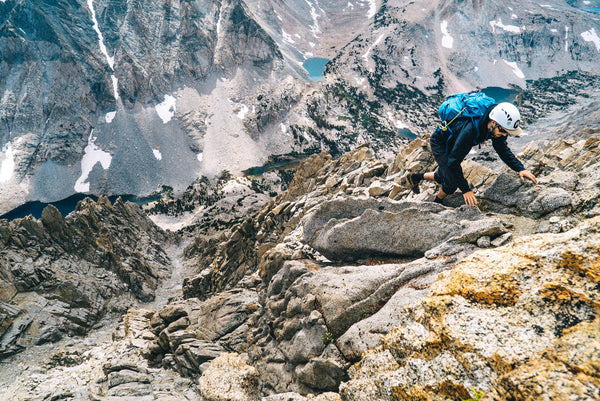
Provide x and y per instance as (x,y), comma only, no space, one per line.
(460,149)
(507,156)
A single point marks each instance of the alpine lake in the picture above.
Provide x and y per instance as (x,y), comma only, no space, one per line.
(315,67)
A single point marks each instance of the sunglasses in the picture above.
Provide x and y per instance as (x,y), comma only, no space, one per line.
(499,128)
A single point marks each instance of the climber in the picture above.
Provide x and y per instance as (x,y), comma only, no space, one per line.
(451,146)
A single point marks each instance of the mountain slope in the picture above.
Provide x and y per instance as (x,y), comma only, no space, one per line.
(121,97)
(414,54)
(474,44)
(131,84)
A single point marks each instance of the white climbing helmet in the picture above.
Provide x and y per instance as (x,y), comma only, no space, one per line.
(508,116)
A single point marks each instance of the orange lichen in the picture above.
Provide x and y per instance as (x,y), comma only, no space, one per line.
(500,288)
(448,389)
(581,264)
(557,293)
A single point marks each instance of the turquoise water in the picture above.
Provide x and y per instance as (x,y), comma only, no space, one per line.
(500,94)
(591,6)
(405,132)
(315,67)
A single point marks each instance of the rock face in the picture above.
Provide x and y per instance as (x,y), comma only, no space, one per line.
(60,276)
(305,29)
(566,168)
(191,334)
(229,378)
(125,85)
(102,368)
(350,228)
(134,86)
(413,50)
(315,315)
(501,322)
(109,98)
(323,294)
(416,304)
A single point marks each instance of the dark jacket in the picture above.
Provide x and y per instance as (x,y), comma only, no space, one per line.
(451,148)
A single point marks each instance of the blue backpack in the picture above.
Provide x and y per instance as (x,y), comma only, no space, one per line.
(471,105)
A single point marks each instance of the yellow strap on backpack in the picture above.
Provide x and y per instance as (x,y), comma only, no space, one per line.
(444,125)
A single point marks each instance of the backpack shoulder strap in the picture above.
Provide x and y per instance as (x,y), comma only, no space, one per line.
(444,125)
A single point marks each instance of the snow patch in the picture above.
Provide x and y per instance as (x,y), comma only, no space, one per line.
(7,168)
(566,38)
(283,128)
(110,116)
(549,7)
(110,60)
(115,83)
(200,156)
(242,113)
(166,109)
(219,21)
(157,154)
(515,69)
(372,9)
(93,154)
(237,186)
(368,52)
(315,29)
(447,40)
(287,37)
(399,124)
(508,28)
(591,36)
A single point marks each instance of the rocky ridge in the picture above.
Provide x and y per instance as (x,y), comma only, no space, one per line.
(322,291)
(61,276)
(322,317)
